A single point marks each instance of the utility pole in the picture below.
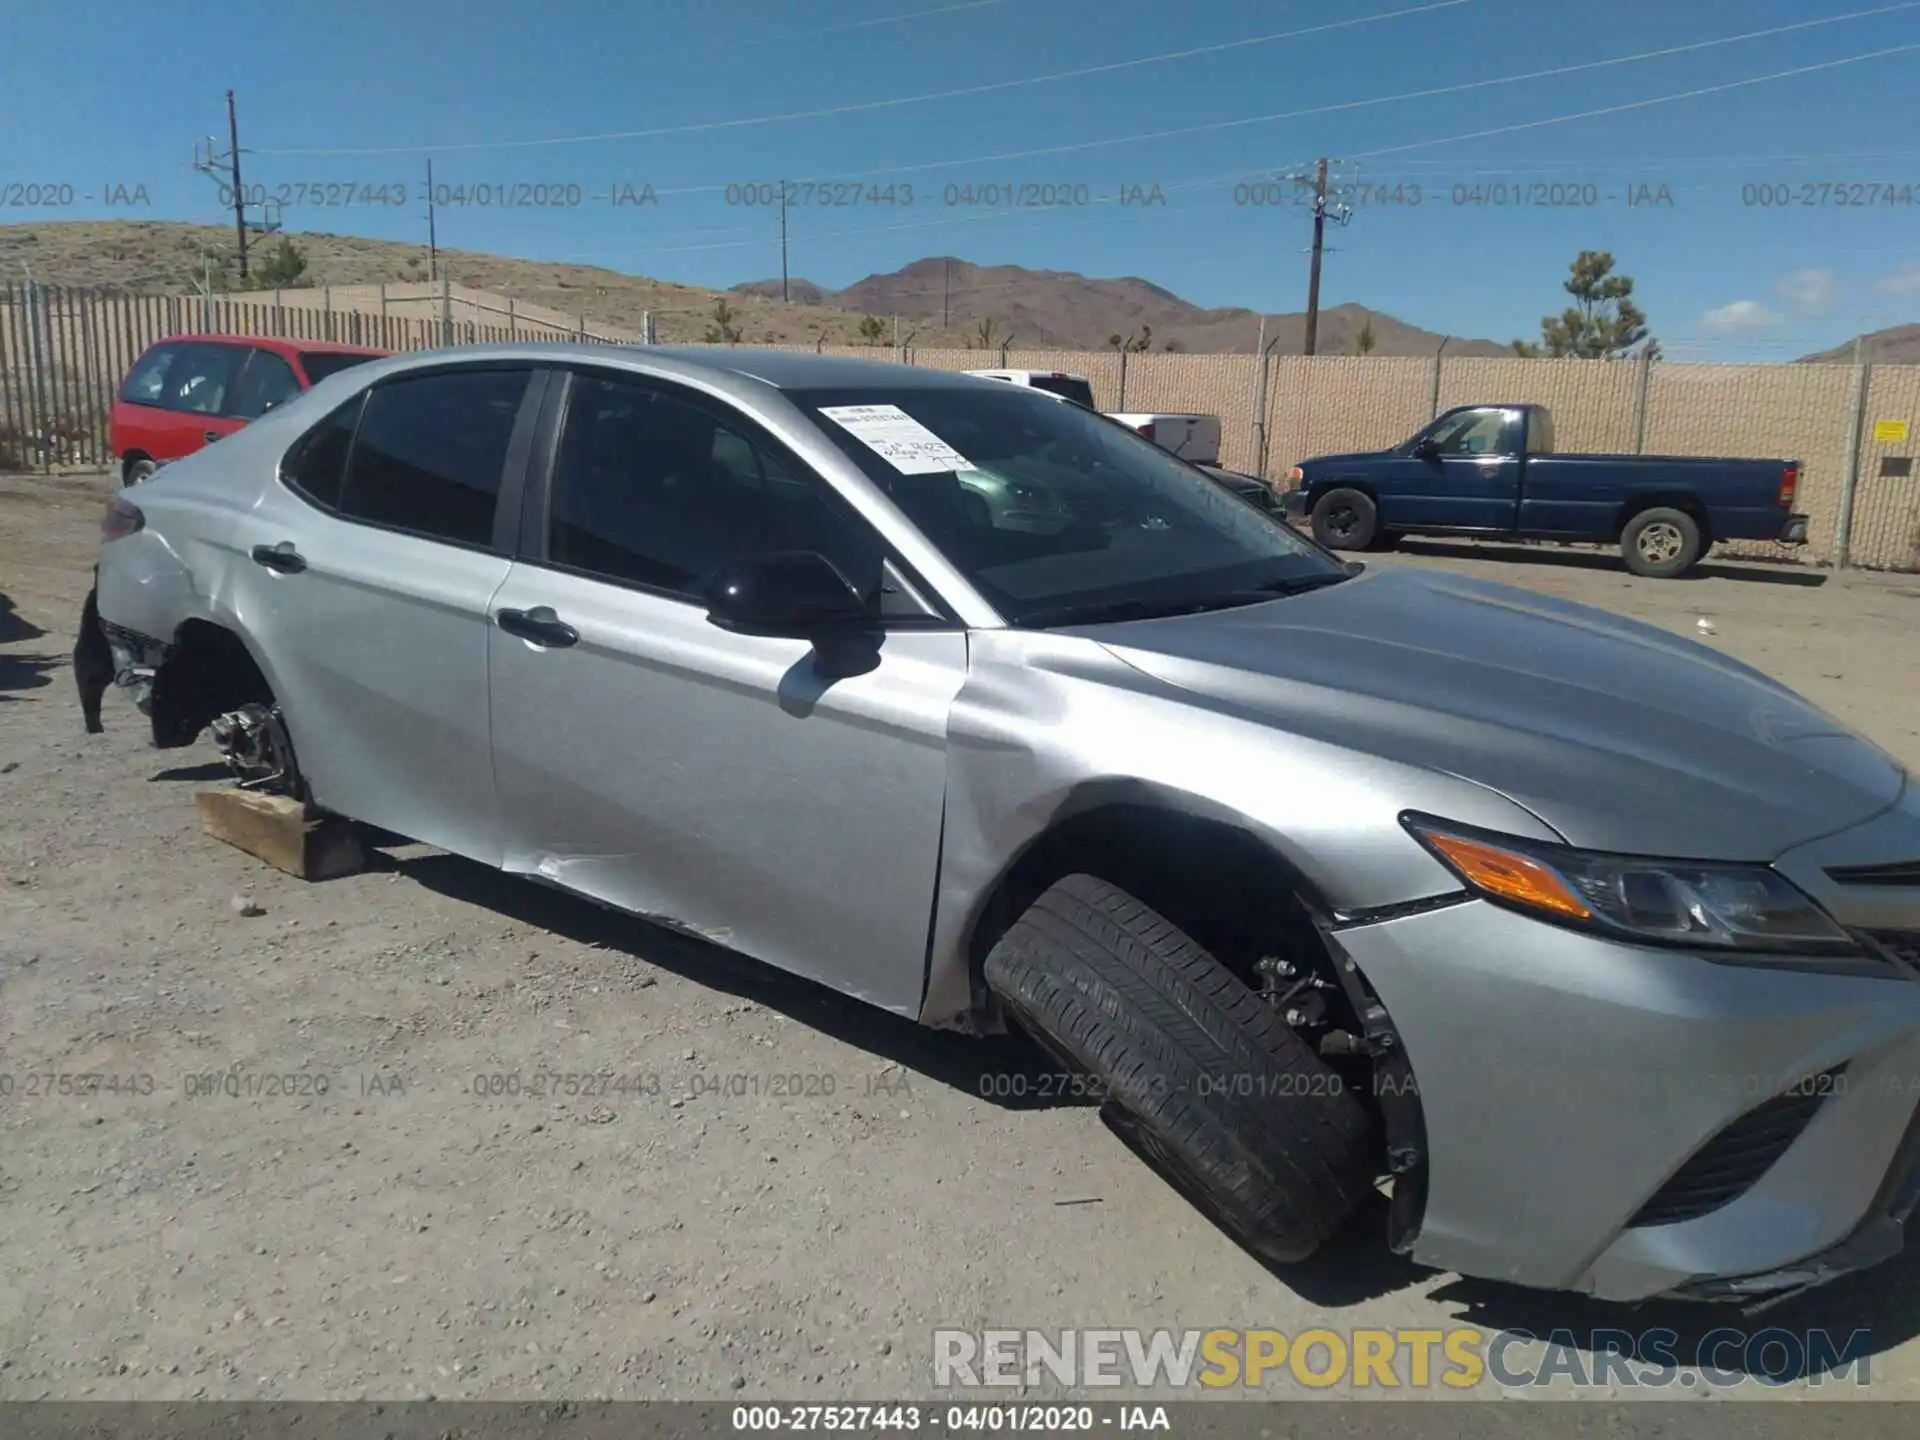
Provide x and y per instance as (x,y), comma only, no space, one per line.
(239,195)
(433,238)
(783,242)
(1319,248)
(208,161)
(1326,206)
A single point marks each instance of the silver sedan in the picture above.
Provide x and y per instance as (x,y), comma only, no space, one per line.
(1595,948)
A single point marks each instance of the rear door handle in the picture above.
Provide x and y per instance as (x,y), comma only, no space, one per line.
(210,436)
(540,625)
(282,557)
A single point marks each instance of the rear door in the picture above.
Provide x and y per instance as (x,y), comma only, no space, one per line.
(1468,480)
(368,595)
(266,380)
(720,782)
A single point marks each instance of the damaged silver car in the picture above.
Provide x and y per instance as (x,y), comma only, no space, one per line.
(1596,949)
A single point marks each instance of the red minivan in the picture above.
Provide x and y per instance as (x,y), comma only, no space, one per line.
(189,390)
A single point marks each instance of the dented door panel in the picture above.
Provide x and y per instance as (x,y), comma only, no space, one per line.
(723,785)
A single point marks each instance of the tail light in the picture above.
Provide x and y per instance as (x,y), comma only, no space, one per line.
(1789,482)
(122,519)
(1296,476)
(1146,431)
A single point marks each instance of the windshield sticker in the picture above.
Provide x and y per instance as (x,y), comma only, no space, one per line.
(897,438)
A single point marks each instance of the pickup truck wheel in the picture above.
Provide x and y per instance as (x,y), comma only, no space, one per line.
(1345,520)
(1660,543)
(1200,1077)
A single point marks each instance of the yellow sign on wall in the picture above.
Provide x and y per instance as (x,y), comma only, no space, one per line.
(1889,432)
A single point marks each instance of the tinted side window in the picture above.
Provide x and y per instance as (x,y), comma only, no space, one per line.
(266,381)
(200,377)
(1068,387)
(661,491)
(429,453)
(319,364)
(316,466)
(148,376)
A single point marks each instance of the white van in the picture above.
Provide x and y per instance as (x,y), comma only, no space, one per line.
(1195,438)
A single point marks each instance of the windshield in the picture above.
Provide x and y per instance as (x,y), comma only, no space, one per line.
(319,364)
(1070,387)
(1057,515)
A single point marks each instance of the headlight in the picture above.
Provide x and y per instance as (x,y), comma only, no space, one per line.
(1662,902)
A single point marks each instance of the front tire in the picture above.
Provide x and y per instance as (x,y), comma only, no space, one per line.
(1661,543)
(1345,520)
(1203,1079)
(137,470)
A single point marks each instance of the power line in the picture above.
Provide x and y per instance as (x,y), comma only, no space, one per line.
(1641,104)
(866,106)
(901,18)
(1216,126)
(1573,169)
(1242,173)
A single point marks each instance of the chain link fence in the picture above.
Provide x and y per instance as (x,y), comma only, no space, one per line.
(63,353)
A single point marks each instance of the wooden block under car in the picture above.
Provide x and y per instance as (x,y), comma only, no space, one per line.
(281,831)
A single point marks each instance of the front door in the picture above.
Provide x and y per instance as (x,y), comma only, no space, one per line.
(193,406)
(1469,477)
(729,785)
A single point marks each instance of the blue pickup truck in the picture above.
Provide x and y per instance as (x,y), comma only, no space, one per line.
(1491,470)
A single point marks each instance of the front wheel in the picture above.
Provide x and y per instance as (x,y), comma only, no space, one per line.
(1201,1077)
(138,471)
(1661,543)
(1345,520)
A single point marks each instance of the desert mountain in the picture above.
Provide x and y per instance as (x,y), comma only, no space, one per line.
(165,257)
(1056,309)
(1069,311)
(1896,345)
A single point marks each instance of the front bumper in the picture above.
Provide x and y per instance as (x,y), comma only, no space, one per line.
(1565,1080)
(1793,531)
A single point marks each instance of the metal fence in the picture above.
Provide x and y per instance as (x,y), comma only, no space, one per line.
(64,351)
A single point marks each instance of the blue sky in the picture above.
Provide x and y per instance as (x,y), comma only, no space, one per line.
(96,95)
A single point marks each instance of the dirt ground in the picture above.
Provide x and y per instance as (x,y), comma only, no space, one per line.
(692,1235)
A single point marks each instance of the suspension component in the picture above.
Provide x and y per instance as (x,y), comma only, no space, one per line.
(257,748)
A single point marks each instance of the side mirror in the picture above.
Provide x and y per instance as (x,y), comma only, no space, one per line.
(1426,448)
(796,594)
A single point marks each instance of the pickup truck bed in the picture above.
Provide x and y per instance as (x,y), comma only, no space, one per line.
(1491,470)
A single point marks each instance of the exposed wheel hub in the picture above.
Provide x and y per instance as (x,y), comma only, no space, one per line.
(255,744)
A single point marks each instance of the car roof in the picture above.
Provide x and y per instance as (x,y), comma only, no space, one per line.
(798,369)
(284,344)
(735,368)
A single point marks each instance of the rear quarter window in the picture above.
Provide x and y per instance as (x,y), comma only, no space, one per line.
(315,466)
(319,364)
(1067,388)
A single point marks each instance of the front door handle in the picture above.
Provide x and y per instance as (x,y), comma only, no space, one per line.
(282,557)
(540,625)
(210,436)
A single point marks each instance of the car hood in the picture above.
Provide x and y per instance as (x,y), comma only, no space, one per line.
(1324,460)
(1620,736)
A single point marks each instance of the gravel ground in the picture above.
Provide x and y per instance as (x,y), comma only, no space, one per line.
(685,1234)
